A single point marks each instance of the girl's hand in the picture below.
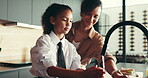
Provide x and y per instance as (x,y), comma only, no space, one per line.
(94,72)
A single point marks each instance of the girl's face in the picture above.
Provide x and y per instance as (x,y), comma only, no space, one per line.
(63,22)
(91,18)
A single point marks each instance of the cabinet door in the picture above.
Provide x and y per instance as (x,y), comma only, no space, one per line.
(3,9)
(19,11)
(25,73)
(55,1)
(76,10)
(69,3)
(75,5)
(11,74)
(39,7)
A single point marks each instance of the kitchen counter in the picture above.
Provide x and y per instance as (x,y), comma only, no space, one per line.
(25,70)
(5,69)
(138,67)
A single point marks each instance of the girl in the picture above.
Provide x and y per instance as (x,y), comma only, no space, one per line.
(56,22)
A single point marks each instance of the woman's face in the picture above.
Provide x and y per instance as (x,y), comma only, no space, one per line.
(63,22)
(91,18)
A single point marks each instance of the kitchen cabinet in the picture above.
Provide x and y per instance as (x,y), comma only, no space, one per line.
(55,1)
(19,11)
(3,9)
(31,11)
(76,10)
(69,3)
(9,74)
(38,8)
(18,72)
(75,5)
(24,73)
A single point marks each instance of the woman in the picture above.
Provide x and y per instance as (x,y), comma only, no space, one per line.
(88,42)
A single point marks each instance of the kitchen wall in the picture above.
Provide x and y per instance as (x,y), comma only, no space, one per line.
(16,42)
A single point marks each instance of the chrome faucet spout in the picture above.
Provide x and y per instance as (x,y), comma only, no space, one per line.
(125,23)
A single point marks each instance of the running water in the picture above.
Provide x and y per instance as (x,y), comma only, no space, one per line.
(103,62)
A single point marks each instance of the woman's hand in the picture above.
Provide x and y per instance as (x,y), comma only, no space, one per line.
(119,75)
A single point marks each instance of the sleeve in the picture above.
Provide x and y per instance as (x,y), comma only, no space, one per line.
(76,59)
(41,54)
(110,56)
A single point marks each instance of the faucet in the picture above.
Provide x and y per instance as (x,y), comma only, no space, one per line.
(125,23)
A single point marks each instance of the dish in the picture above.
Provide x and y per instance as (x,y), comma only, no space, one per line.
(127,71)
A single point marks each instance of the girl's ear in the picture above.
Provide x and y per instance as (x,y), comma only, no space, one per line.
(52,20)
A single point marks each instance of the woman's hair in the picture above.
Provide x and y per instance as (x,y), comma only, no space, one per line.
(53,10)
(89,5)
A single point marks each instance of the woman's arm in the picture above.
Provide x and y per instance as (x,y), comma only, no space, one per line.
(111,67)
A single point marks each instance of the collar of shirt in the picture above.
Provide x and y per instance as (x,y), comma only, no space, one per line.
(91,33)
(55,39)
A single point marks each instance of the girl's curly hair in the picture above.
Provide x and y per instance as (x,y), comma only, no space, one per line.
(53,10)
